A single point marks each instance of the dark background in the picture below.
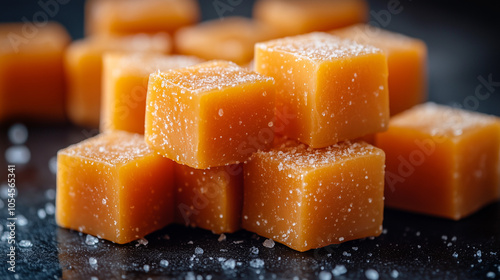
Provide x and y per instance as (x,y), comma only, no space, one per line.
(463,38)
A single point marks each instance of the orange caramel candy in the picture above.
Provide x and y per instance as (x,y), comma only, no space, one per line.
(209,198)
(211,114)
(84,70)
(125,81)
(293,17)
(334,89)
(406,59)
(232,38)
(125,17)
(441,161)
(31,71)
(114,187)
(309,198)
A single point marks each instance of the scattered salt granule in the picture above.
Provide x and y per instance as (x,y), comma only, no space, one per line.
(478,253)
(324,275)
(50,209)
(254,250)
(198,251)
(41,214)
(221,112)
(18,133)
(394,274)
(190,242)
(444,237)
(142,241)
(17,155)
(91,240)
(222,237)
(238,241)
(257,263)
(371,274)
(50,194)
(146,267)
(229,264)
(25,244)
(21,220)
(53,164)
(490,274)
(163,263)
(339,270)
(268,243)
(455,255)
(94,278)
(93,262)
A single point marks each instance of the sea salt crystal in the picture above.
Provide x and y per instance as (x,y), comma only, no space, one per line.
(163,263)
(18,133)
(142,241)
(371,274)
(53,164)
(25,244)
(146,267)
(41,214)
(257,263)
(324,275)
(21,220)
(91,240)
(268,243)
(394,274)
(222,237)
(50,209)
(478,253)
(254,250)
(50,194)
(339,270)
(455,255)
(229,264)
(93,262)
(221,112)
(490,274)
(198,251)
(17,155)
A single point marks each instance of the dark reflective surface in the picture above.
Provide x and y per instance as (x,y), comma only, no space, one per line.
(463,44)
(415,246)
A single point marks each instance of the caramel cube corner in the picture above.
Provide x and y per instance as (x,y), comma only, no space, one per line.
(441,161)
(114,187)
(309,198)
(125,82)
(211,114)
(330,89)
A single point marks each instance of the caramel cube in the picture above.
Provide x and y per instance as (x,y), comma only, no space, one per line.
(211,114)
(231,38)
(209,198)
(126,17)
(293,17)
(309,198)
(115,187)
(333,89)
(125,82)
(406,60)
(83,61)
(31,71)
(441,161)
